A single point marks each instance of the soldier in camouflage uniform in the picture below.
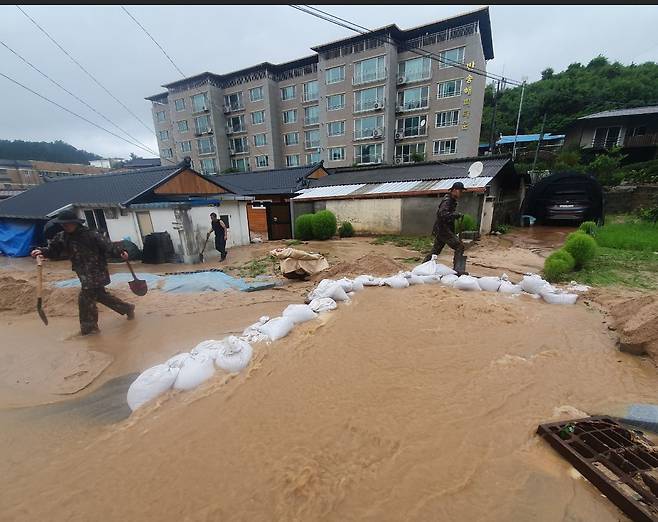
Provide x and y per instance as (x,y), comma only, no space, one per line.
(444,227)
(88,252)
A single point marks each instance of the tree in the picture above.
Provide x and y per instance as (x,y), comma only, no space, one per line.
(56,151)
(547,73)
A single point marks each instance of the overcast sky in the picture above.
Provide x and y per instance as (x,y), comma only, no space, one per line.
(527,39)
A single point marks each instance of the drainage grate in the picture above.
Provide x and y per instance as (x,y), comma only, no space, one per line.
(621,463)
(195,271)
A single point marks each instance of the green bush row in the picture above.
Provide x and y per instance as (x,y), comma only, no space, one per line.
(578,251)
(321,226)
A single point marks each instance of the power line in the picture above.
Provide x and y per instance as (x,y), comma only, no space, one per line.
(318,13)
(154,40)
(76,114)
(83,69)
(26,61)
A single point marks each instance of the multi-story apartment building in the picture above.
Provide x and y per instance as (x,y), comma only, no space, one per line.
(373,98)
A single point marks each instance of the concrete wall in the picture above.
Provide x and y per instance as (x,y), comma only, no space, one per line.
(124,227)
(624,200)
(419,213)
(376,216)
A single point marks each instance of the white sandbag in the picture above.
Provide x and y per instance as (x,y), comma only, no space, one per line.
(150,384)
(368,280)
(427,268)
(431,279)
(489,284)
(234,355)
(346,284)
(533,283)
(417,280)
(210,347)
(357,286)
(509,288)
(252,335)
(449,279)
(177,360)
(396,282)
(299,313)
(469,283)
(277,328)
(560,298)
(329,288)
(195,370)
(443,270)
(325,304)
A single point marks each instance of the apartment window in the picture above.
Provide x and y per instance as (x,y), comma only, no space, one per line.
(371,153)
(368,127)
(311,91)
(335,102)
(443,147)
(235,124)
(606,137)
(416,69)
(292,161)
(313,157)
(256,94)
(409,152)
(312,139)
(182,126)
(258,117)
(241,164)
(369,99)
(412,126)
(262,161)
(639,131)
(450,88)
(234,101)
(335,74)
(200,102)
(238,145)
(208,166)
(167,153)
(260,140)
(336,153)
(451,57)
(161,116)
(414,99)
(206,145)
(290,116)
(447,118)
(180,104)
(370,70)
(312,115)
(202,124)
(164,135)
(336,128)
(288,93)
(186,146)
(291,138)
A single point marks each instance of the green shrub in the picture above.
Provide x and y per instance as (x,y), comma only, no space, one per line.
(582,247)
(346,229)
(324,225)
(589,227)
(304,227)
(558,264)
(502,229)
(465,223)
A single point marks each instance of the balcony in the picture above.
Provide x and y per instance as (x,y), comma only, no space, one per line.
(202,132)
(310,97)
(369,77)
(369,105)
(644,140)
(369,159)
(413,105)
(312,121)
(410,132)
(200,108)
(233,107)
(369,134)
(315,144)
(244,149)
(235,129)
(205,152)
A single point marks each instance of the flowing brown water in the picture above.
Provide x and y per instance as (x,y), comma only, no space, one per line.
(417,404)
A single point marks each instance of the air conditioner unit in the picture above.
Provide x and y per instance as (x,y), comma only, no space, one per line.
(377,105)
(401,79)
(399,108)
(209,131)
(399,160)
(398,135)
(376,133)
(227,109)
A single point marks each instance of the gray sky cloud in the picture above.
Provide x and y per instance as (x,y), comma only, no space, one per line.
(527,39)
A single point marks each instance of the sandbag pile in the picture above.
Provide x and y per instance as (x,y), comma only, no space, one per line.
(189,370)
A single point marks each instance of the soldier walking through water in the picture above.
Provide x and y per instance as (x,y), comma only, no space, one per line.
(88,251)
(444,226)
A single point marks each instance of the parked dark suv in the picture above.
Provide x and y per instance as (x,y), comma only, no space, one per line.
(568,205)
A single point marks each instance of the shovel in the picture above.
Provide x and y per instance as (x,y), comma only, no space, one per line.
(40,311)
(138,286)
(203,250)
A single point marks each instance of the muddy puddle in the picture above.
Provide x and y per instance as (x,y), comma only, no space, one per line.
(417,404)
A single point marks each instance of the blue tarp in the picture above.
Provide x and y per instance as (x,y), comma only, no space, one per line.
(17,238)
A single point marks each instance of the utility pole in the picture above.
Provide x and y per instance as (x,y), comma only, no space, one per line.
(518,120)
(493,117)
(541,136)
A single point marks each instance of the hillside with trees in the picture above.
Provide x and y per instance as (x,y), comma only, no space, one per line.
(56,151)
(565,96)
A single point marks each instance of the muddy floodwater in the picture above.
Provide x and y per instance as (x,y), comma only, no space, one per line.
(417,404)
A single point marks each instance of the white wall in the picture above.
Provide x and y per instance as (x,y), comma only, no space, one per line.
(237,213)
(377,216)
(124,227)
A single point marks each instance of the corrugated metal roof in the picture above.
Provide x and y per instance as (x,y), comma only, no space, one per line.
(401,186)
(469,183)
(328,192)
(653,109)
(526,138)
